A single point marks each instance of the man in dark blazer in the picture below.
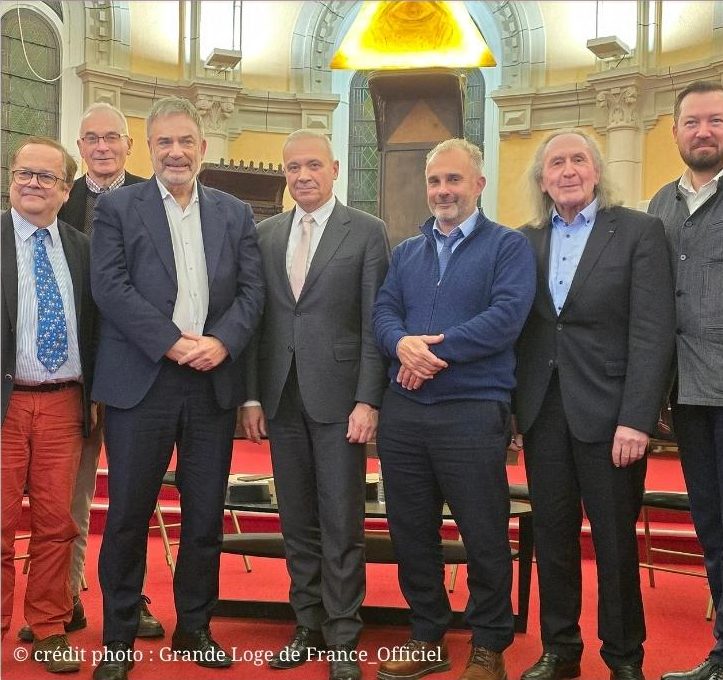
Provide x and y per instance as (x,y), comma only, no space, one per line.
(176,274)
(593,363)
(48,344)
(104,145)
(319,379)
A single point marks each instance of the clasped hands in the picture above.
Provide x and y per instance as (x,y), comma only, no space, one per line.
(418,362)
(202,352)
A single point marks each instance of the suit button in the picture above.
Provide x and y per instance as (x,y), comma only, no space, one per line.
(551,363)
(559,327)
(683,257)
(7,376)
(679,331)
(688,224)
(290,348)
(678,292)
(297,313)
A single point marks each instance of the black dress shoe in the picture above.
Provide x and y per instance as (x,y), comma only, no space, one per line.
(552,667)
(343,663)
(299,650)
(708,670)
(200,648)
(628,672)
(77,622)
(148,625)
(116,662)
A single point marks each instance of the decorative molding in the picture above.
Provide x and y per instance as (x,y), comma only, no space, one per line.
(215,111)
(107,33)
(622,106)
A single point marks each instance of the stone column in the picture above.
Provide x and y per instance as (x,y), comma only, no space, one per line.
(215,112)
(624,140)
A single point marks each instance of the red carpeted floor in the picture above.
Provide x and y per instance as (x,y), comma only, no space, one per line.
(678,634)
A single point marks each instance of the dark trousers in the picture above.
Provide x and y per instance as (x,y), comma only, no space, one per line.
(563,472)
(455,452)
(179,409)
(319,478)
(700,436)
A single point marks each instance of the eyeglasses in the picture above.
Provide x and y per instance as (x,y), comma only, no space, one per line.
(45,179)
(110,138)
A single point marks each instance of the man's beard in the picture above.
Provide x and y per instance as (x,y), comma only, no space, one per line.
(707,161)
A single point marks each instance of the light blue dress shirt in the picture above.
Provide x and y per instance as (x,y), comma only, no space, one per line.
(567,243)
(466,228)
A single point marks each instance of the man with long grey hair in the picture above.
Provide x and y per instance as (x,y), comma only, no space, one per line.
(592,370)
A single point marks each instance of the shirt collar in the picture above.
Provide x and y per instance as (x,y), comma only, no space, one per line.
(321,215)
(25,229)
(98,189)
(165,193)
(686,182)
(466,227)
(587,215)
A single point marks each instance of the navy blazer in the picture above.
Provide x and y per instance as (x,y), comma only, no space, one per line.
(75,247)
(133,278)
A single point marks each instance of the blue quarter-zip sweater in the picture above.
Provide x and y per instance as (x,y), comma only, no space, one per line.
(480,305)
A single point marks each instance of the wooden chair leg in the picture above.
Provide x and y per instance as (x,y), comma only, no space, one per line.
(709,612)
(164,537)
(452,578)
(237,529)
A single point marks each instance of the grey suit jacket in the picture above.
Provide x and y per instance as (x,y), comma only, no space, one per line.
(76,248)
(613,340)
(328,331)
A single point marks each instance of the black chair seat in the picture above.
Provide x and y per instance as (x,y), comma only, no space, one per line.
(667,500)
(379,548)
(519,492)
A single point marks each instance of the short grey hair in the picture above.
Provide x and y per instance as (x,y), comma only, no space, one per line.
(169,106)
(306,133)
(105,106)
(542,203)
(472,150)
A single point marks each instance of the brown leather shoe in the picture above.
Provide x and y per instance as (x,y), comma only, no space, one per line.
(77,622)
(484,664)
(57,655)
(414,659)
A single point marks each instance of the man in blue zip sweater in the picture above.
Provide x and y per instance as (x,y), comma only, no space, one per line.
(448,315)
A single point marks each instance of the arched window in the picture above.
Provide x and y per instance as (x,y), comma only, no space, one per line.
(363,155)
(31,106)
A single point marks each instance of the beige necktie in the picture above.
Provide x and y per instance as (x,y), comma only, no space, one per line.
(300,256)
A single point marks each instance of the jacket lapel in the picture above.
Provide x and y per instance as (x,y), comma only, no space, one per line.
(9,268)
(602,231)
(213,230)
(335,232)
(75,267)
(153,215)
(540,238)
(279,243)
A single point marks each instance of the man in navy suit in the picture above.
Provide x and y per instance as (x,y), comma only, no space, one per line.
(177,277)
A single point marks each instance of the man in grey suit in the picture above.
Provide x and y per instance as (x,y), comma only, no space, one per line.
(691,208)
(593,363)
(319,379)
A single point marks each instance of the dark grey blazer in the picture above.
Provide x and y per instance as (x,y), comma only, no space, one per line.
(329,330)
(613,340)
(76,248)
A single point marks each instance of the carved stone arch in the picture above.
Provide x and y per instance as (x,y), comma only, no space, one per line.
(518,26)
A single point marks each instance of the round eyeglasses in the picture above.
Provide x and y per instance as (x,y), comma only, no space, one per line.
(45,179)
(111,138)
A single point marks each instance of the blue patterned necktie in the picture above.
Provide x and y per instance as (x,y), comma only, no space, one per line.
(446,251)
(52,332)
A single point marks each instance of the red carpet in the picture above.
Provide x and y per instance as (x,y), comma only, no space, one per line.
(678,634)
